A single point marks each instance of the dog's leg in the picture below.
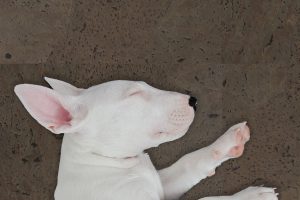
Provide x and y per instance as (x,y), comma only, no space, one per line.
(193,167)
(251,193)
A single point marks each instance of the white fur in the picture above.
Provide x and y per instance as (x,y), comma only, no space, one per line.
(108,126)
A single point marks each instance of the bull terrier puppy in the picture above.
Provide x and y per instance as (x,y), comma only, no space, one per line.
(106,129)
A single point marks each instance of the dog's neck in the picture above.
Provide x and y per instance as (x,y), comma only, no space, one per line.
(72,151)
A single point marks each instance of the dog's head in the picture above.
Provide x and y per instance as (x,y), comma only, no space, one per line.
(115,119)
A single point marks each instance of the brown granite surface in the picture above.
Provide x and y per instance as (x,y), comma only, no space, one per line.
(240,58)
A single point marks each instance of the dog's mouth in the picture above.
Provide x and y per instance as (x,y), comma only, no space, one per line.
(183,116)
(180,119)
(178,123)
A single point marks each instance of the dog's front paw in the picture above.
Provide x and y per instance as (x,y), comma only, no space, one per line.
(256,193)
(231,144)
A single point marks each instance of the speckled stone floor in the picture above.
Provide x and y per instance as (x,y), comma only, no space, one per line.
(240,58)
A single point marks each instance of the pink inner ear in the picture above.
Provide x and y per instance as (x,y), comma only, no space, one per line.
(48,109)
(44,106)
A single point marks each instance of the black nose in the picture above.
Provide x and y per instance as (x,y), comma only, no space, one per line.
(193,102)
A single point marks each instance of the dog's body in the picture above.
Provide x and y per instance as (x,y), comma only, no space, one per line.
(107,128)
(101,181)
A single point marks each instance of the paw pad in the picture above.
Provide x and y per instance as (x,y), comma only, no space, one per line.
(236,151)
(242,135)
(231,144)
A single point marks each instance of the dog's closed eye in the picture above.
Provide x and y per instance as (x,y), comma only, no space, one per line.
(137,92)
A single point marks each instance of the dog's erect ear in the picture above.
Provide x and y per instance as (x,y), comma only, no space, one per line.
(63,87)
(58,113)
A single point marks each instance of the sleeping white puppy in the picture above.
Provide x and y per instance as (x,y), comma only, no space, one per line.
(108,126)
